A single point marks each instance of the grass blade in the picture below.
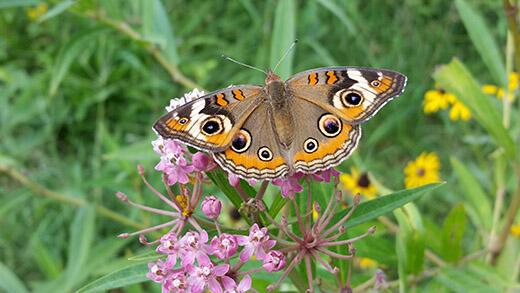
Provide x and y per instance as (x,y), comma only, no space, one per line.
(130,275)
(157,28)
(480,205)
(456,78)
(9,281)
(56,10)
(284,33)
(483,40)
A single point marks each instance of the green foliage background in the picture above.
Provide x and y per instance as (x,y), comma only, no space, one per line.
(81,86)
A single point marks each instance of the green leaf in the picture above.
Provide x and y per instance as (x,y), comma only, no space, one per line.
(130,275)
(284,33)
(68,54)
(410,241)
(483,40)
(56,10)
(338,12)
(452,233)
(277,205)
(480,205)
(462,281)
(372,209)
(157,28)
(81,237)
(9,282)
(456,78)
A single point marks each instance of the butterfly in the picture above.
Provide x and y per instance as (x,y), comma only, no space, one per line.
(309,123)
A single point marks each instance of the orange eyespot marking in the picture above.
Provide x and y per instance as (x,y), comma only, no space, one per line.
(238,94)
(221,101)
(171,122)
(313,78)
(331,77)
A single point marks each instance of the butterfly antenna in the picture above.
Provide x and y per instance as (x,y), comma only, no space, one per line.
(243,64)
(285,54)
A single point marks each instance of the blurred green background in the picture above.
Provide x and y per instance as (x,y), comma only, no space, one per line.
(81,83)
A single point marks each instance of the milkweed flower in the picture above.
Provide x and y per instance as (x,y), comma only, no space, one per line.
(257,243)
(290,186)
(423,170)
(358,183)
(211,207)
(230,286)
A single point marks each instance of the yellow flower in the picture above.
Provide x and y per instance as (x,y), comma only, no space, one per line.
(367,263)
(499,92)
(459,111)
(515,230)
(35,12)
(424,170)
(435,100)
(357,182)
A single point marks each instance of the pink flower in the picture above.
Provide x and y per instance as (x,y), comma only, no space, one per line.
(170,147)
(289,186)
(202,162)
(211,207)
(176,282)
(206,275)
(325,175)
(170,246)
(230,286)
(158,271)
(176,170)
(257,243)
(274,261)
(194,247)
(224,246)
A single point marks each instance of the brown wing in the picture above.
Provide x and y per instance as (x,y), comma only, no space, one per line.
(352,93)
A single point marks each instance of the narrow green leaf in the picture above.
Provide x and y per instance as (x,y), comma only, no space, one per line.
(483,40)
(461,280)
(68,54)
(410,239)
(48,264)
(277,205)
(81,237)
(157,28)
(372,209)
(284,33)
(130,275)
(452,233)
(480,205)
(9,282)
(56,10)
(17,3)
(456,78)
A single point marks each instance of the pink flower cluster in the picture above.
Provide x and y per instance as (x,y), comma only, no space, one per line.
(194,265)
(175,161)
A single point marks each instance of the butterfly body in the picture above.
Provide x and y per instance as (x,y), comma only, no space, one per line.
(308,123)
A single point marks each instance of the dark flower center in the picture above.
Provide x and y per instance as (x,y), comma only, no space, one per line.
(363,180)
(420,172)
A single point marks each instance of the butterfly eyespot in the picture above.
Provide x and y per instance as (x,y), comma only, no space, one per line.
(375,83)
(212,126)
(183,120)
(329,125)
(351,99)
(265,154)
(241,142)
(310,145)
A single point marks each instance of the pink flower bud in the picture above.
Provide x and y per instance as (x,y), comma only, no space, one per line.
(274,261)
(224,246)
(201,162)
(211,207)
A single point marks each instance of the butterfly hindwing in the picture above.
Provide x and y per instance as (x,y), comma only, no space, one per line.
(255,152)
(211,121)
(326,141)
(353,93)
